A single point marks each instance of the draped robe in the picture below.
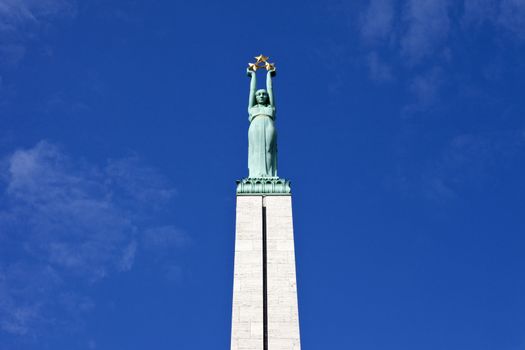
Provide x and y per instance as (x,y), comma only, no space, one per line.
(262,142)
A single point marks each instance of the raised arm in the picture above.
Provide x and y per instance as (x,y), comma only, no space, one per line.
(269,87)
(253,86)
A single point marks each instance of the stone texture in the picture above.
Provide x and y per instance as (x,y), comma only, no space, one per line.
(247,310)
(283,315)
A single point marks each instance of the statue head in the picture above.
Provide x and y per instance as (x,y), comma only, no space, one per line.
(261,96)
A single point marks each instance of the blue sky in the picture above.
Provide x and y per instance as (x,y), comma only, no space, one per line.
(124,126)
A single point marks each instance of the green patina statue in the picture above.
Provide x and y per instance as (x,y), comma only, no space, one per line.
(262,136)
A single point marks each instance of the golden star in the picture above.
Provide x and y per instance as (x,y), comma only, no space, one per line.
(252,66)
(269,66)
(261,58)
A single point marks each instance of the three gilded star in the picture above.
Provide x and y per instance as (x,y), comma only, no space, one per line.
(261,62)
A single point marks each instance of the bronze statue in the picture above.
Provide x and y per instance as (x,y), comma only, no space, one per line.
(262,135)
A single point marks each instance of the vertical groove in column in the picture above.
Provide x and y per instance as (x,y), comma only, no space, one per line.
(265,280)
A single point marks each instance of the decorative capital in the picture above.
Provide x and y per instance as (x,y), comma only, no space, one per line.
(264,186)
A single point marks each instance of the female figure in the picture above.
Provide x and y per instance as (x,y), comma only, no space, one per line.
(262,136)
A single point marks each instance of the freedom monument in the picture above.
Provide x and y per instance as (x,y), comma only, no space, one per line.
(264,313)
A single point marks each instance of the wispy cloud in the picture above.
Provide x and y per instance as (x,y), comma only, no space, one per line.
(15,13)
(76,221)
(66,222)
(507,15)
(413,37)
(406,32)
(164,237)
(477,11)
(377,21)
(512,16)
(416,30)
(425,88)
(476,162)
(378,70)
(427,26)
(21,19)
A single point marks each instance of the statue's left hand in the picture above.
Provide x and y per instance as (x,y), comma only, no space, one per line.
(272,72)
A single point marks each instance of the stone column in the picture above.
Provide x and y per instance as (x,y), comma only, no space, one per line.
(283,316)
(247,313)
(265,313)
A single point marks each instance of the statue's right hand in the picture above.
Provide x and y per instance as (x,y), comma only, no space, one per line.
(249,72)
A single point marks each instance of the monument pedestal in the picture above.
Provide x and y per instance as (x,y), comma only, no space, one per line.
(265,312)
(265,315)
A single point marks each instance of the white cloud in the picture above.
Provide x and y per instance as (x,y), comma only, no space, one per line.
(165,237)
(473,161)
(66,221)
(400,35)
(512,16)
(477,11)
(128,257)
(377,20)
(416,31)
(73,217)
(20,20)
(411,37)
(14,13)
(130,176)
(465,163)
(508,15)
(427,26)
